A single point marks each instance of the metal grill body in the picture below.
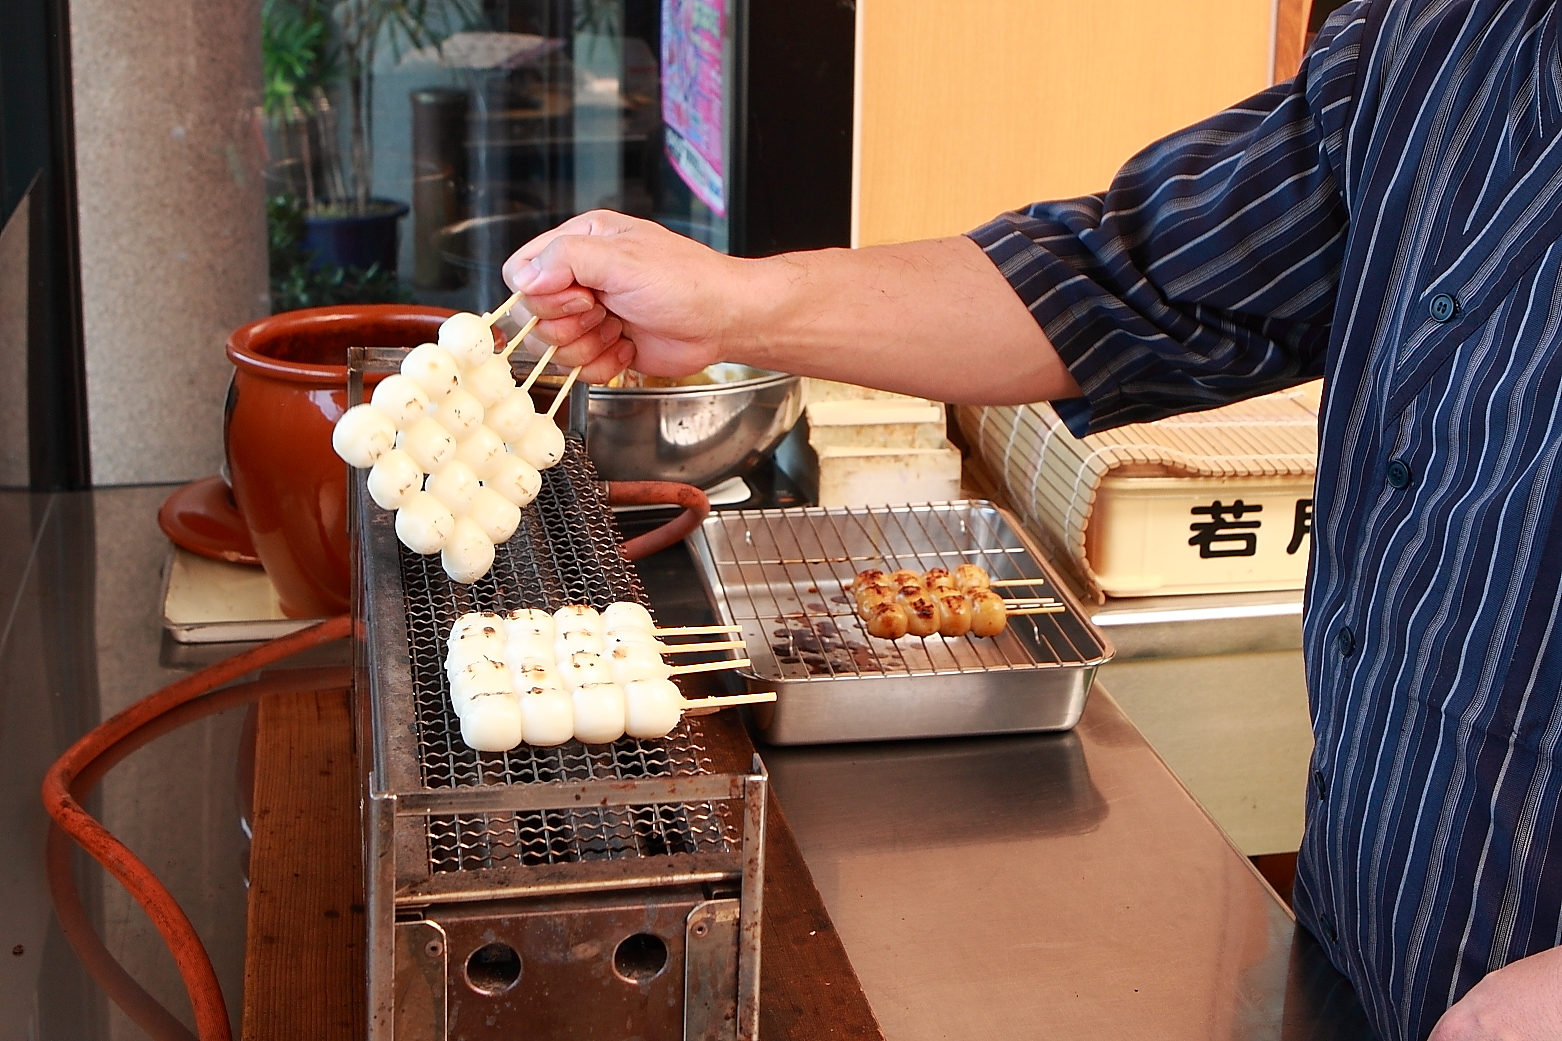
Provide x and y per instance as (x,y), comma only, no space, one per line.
(506,888)
(783,576)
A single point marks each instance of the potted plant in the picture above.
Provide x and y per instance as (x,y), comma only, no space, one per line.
(308,47)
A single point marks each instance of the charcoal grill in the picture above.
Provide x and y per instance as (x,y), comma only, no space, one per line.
(580,891)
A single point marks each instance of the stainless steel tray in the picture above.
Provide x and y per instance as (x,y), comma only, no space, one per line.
(780,574)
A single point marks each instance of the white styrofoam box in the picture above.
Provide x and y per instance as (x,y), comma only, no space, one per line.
(876,424)
(875,476)
(1159,535)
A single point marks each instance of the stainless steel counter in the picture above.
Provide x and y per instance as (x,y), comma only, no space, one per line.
(1049,886)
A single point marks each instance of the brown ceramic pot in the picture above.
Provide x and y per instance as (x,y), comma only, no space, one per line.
(290,388)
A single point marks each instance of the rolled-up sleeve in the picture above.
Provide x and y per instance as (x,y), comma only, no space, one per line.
(1208,271)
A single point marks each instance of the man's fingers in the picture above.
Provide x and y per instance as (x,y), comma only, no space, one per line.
(568,260)
(573,301)
(596,350)
(569,329)
(519,268)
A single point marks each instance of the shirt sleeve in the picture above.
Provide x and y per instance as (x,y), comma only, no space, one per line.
(1208,271)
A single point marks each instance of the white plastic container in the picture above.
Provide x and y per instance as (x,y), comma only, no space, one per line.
(1151,536)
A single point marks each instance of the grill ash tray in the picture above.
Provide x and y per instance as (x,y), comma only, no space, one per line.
(782,576)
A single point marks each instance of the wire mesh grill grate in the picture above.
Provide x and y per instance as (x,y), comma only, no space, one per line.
(564,552)
(783,576)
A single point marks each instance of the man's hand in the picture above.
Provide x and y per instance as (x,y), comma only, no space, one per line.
(614,291)
(1519,1002)
(934,318)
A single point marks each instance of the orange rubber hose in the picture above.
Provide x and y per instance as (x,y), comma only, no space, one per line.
(75,922)
(195,967)
(696,507)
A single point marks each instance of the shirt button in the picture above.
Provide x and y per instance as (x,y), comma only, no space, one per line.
(1443,307)
(1320,785)
(1398,475)
(1328,930)
(1345,641)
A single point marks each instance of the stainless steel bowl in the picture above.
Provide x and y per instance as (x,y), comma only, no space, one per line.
(699,435)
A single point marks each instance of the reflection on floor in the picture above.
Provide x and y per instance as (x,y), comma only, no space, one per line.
(82,639)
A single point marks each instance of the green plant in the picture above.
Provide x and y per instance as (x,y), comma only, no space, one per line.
(294,59)
(309,46)
(362,27)
(297,282)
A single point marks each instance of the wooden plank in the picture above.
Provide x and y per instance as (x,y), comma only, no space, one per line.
(1291,19)
(808,989)
(304,968)
(966,108)
(303,962)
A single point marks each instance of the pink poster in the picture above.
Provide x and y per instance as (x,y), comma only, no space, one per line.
(693,36)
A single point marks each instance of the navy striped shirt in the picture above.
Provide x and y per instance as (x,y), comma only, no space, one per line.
(1390,220)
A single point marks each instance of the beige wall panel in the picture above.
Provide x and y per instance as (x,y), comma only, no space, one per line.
(967,108)
(173,246)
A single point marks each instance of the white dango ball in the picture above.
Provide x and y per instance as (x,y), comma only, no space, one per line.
(481,642)
(535,672)
(482,450)
(530,620)
(468,337)
(477,677)
(402,399)
(395,478)
(490,382)
(511,415)
(496,515)
(633,636)
(627,614)
(631,662)
(574,617)
(455,485)
(493,723)
(424,524)
(514,478)
(362,435)
(431,367)
(477,620)
(572,640)
(460,413)
(542,445)
(526,650)
(599,712)
(652,708)
(468,553)
(583,668)
(547,715)
(428,443)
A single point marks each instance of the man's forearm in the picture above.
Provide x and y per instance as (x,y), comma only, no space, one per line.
(932,318)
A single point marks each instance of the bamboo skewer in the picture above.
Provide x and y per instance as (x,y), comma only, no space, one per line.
(995,583)
(563,394)
(504,308)
(696,630)
(516,342)
(729,700)
(711,666)
(691,648)
(1021,611)
(542,363)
